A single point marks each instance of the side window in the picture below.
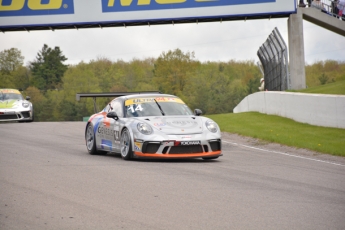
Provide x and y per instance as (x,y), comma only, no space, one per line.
(117,107)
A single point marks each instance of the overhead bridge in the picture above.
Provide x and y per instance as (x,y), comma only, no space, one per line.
(296,40)
(323,20)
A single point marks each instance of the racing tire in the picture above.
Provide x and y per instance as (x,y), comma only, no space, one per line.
(209,158)
(90,140)
(126,145)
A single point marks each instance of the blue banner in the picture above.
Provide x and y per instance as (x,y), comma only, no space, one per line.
(141,5)
(35,7)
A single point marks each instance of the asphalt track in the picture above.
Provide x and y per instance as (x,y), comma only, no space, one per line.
(49,181)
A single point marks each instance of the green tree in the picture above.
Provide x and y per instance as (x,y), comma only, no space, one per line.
(323,78)
(172,70)
(12,72)
(10,60)
(48,68)
(253,84)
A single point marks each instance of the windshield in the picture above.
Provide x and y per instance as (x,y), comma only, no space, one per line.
(156,106)
(10,96)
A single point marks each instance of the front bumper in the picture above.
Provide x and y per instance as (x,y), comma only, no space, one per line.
(16,115)
(174,149)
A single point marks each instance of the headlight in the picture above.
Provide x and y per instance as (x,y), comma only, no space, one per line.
(212,126)
(25,104)
(144,128)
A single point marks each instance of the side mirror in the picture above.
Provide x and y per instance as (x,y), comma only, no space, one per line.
(27,98)
(197,112)
(113,115)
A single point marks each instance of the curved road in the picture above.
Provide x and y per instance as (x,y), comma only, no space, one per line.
(49,181)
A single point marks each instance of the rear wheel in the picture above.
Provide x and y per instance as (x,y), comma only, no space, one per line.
(126,145)
(90,140)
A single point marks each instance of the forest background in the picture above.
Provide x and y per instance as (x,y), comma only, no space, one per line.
(213,87)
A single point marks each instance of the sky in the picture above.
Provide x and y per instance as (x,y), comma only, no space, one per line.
(212,41)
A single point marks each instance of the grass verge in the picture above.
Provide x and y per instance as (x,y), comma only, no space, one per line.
(330,88)
(284,131)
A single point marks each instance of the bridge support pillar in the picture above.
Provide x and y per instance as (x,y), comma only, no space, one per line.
(296,51)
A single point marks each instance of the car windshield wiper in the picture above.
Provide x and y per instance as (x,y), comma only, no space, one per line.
(160,108)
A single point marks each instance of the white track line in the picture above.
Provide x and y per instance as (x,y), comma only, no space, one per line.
(286,154)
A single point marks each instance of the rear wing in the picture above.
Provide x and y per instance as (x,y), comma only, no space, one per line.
(119,94)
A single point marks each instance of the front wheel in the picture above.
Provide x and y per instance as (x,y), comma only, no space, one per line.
(126,145)
(90,140)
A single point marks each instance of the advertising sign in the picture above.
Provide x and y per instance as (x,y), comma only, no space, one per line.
(57,14)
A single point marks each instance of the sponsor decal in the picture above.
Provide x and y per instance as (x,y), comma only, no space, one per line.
(159,124)
(9,90)
(152,99)
(135,5)
(6,113)
(137,146)
(178,143)
(168,143)
(35,7)
(106,143)
(106,122)
(182,124)
(108,132)
(8,104)
(190,142)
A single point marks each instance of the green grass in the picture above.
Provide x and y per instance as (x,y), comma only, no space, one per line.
(283,131)
(330,88)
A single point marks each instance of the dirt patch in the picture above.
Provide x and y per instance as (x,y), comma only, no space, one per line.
(253,142)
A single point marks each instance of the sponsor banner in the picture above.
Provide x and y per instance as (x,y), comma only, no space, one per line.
(152,100)
(35,7)
(129,5)
(9,90)
(74,13)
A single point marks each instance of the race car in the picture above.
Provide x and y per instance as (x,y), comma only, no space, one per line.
(152,126)
(13,107)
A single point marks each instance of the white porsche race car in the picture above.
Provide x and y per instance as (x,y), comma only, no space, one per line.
(150,125)
(13,107)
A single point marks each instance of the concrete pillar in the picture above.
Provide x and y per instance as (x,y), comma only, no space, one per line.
(296,51)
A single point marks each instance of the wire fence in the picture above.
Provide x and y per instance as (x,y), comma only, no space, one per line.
(329,7)
(274,61)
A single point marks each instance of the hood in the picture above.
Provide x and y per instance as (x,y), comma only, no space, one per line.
(176,125)
(9,104)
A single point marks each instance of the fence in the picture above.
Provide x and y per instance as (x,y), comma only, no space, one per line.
(274,60)
(329,7)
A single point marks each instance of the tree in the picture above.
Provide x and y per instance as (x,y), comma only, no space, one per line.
(48,69)
(10,60)
(12,72)
(323,79)
(172,70)
(253,84)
